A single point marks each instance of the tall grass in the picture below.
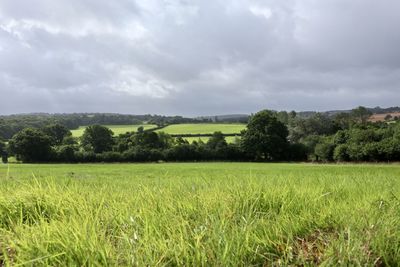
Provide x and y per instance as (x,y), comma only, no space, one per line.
(199,215)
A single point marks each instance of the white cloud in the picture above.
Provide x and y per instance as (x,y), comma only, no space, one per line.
(261,11)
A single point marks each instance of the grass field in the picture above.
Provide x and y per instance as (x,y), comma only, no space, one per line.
(199,214)
(117,129)
(203,128)
(229,139)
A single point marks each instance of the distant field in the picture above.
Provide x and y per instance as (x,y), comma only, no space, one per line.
(229,139)
(199,214)
(117,129)
(381,117)
(203,128)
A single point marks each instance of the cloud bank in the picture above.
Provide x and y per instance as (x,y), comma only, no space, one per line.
(197,57)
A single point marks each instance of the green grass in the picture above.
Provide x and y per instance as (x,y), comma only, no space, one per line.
(117,129)
(203,128)
(204,214)
(229,139)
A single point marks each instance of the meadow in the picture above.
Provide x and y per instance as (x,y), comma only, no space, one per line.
(117,129)
(199,214)
(203,128)
(229,139)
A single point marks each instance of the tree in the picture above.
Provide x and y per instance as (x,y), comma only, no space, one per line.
(2,146)
(3,152)
(324,150)
(57,133)
(31,145)
(140,129)
(217,141)
(97,138)
(388,117)
(265,137)
(147,140)
(343,120)
(340,153)
(361,114)
(317,124)
(283,117)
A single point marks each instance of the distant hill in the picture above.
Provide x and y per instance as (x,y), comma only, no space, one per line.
(241,118)
(302,114)
(375,110)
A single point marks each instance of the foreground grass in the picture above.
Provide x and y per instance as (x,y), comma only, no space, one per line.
(199,214)
(203,128)
(117,129)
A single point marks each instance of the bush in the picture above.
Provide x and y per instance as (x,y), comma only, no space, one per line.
(340,153)
(297,152)
(324,151)
(66,153)
(184,152)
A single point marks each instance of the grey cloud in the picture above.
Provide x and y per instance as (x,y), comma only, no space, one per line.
(198,57)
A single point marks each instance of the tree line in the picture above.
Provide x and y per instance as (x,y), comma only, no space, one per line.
(269,136)
(12,124)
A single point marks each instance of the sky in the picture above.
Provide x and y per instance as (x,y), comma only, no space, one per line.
(199,57)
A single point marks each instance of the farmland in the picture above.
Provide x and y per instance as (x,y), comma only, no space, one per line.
(229,139)
(199,214)
(383,116)
(203,128)
(117,129)
(175,129)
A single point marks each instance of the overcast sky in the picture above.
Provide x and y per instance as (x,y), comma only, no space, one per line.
(199,57)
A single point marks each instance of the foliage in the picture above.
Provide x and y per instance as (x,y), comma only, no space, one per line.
(31,145)
(361,114)
(269,136)
(324,150)
(217,141)
(3,152)
(97,138)
(57,133)
(265,137)
(317,124)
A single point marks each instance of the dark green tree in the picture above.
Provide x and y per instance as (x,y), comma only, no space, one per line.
(2,146)
(3,152)
(217,141)
(265,137)
(317,124)
(31,145)
(146,140)
(97,138)
(57,133)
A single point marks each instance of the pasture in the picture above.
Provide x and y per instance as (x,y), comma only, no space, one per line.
(229,139)
(199,214)
(203,128)
(117,129)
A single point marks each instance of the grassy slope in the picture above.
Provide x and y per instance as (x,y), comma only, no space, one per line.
(203,128)
(217,214)
(117,129)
